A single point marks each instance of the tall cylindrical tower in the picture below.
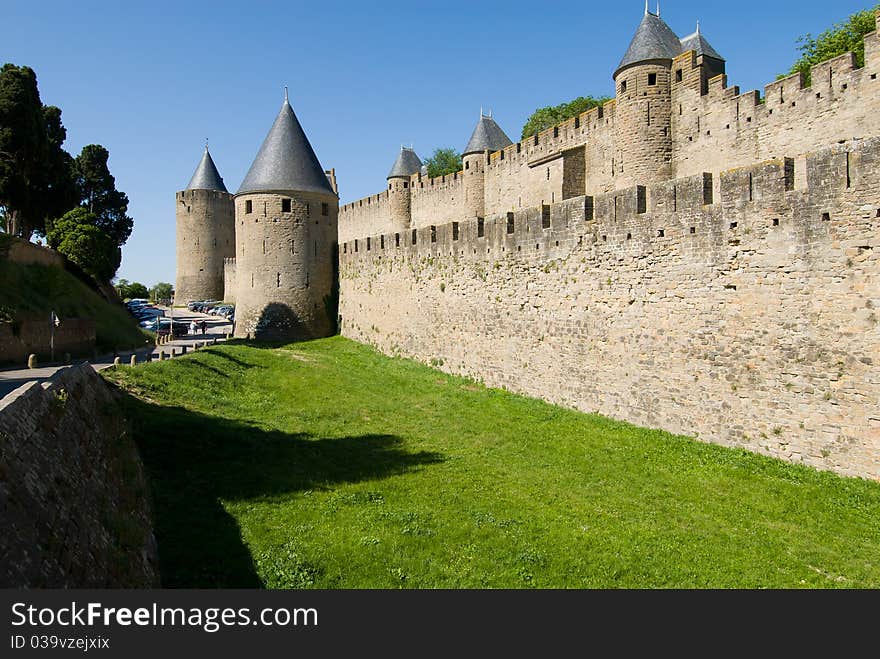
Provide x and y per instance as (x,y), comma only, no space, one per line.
(399,188)
(487,137)
(286,227)
(205,234)
(643,113)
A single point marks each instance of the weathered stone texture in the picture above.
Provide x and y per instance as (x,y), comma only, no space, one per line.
(285,281)
(73,498)
(739,308)
(205,237)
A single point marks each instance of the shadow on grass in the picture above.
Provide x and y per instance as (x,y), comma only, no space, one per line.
(193,461)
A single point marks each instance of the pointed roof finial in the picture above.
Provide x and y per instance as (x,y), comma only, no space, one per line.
(658,8)
(646,7)
(206,144)
(286,99)
(698,26)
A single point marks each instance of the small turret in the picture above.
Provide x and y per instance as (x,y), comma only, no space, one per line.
(643,113)
(399,190)
(286,219)
(709,62)
(205,234)
(486,138)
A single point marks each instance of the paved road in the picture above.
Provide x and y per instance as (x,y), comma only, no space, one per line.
(217,328)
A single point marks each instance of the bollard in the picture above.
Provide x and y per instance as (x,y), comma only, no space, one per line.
(183,350)
(134,360)
(228,336)
(161,355)
(32,361)
(117,361)
(214,341)
(66,357)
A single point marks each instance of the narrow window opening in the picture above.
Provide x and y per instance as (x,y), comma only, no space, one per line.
(848,179)
(545,216)
(733,225)
(510,223)
(278,280)
(652,79)
(660,233)
(776,221)
(433,234)
(751,187)
(641,199)
(285,205)
(467,164)
(481,227)
(826,217)
(455,230)
(413,236)
(649,112)
(623,87)
(548,173)
(355,245)
(693,229)
(248,206)
(325,208)
(629,236)
(678,75)
(382,242)
(397,240)
(577,122)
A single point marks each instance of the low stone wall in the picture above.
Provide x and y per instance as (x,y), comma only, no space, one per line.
(26,253)
(73,497)
(32,334)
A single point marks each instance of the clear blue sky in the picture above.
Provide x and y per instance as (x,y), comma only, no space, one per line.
(151,81)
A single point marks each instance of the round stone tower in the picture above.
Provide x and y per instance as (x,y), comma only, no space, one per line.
(643,113)
(487,137)
(286,214)
(205,234)
(399,190)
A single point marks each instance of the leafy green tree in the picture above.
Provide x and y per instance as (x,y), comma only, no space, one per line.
(98,193)
(129,290)
(443,161)
(161,291)
(836,40)
(76,236)
(35,171)
(544,118)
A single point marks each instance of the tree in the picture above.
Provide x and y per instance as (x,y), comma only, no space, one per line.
(129,290)
(76,236)
(544,118)
(840,38)
(443,161)
(23,148)
(98,194)
(161,291)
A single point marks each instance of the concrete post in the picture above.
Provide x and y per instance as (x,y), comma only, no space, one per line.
(117,361)
(134,360)
(32,361)
(161,355)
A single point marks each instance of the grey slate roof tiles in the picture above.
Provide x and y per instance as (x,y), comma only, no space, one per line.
(206,176)
(654,40)
(407,164)
(697,42)
(487,136)
(286,161)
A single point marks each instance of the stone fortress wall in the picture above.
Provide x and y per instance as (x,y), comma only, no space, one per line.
(712,126)
(734,300)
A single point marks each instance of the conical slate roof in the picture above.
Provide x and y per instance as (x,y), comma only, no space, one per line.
(697,42)
(407,164)
(286,161)
(206,176)
(653,40)
(487,136)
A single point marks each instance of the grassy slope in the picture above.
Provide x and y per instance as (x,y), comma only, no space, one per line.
(37,288)
(326,464)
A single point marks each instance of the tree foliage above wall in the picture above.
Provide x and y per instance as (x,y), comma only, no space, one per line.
(544,118)
(41,183)
(443,161)
(840,38)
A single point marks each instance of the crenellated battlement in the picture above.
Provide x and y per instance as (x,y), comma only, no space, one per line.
(738,307)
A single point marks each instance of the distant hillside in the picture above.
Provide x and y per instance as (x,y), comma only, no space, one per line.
(35,284)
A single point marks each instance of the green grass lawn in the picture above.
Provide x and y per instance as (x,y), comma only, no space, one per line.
(326,464)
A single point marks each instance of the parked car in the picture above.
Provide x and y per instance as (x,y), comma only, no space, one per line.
(162,326)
